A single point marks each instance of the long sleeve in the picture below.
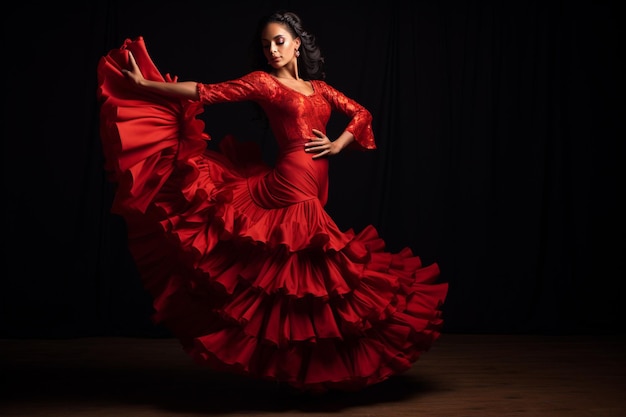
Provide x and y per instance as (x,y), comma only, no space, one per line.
(360,124)
(250,87)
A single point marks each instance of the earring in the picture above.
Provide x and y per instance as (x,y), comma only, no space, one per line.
(297,53)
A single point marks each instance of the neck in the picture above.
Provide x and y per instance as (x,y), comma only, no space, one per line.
(289,72)
(289,77)
(285,75)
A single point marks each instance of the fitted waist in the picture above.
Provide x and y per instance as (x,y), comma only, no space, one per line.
(292,146)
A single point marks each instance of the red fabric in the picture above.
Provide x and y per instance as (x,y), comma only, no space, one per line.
(245,266)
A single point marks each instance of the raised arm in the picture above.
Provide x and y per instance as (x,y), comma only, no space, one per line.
(185,89)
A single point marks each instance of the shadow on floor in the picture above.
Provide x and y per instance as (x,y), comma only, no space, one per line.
(193,390)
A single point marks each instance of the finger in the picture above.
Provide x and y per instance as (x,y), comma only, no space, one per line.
(312,143)
(131,60)
(318,133)
(320,154)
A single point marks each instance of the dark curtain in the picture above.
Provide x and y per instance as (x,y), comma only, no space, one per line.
(500,152)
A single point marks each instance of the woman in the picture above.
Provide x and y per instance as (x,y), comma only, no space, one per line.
(245,266)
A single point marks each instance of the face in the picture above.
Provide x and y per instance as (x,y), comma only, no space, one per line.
(279,47)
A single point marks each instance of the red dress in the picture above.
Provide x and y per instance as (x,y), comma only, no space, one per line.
(245,266)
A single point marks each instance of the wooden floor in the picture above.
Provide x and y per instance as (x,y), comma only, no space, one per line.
(462,375)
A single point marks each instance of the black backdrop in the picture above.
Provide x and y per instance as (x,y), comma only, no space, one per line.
(500,152)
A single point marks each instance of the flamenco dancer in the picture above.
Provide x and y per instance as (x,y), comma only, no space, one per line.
(244,265)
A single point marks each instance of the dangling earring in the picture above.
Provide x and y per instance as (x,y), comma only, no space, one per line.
(297,53)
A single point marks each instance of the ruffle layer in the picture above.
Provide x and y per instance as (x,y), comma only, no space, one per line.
(216,187)
(350,320)
(280,294)
(144,136)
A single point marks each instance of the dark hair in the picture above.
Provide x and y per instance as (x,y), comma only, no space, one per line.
(311,61)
